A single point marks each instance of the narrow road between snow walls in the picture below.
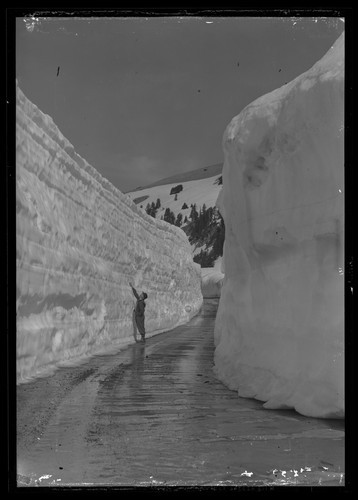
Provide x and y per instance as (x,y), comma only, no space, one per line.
(155,415)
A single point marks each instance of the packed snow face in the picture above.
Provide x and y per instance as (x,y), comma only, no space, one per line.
(279,331)
(79,242)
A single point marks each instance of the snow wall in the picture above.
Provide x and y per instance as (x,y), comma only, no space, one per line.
(79,241)
(279,332)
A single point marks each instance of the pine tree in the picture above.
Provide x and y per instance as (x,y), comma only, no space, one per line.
(151,210)
(154,209)
(166,214)
(179,218)
(193,213)
(169,216)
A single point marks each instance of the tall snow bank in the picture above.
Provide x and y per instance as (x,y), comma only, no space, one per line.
(279,327)
(79,242)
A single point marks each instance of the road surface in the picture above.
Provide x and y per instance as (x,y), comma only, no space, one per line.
(154,414)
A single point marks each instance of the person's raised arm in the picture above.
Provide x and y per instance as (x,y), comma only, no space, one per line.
(134,291)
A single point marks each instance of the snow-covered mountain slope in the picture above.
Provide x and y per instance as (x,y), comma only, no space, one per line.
(212,279)
(199,191)
(280,325)
(79,242)
(192,175)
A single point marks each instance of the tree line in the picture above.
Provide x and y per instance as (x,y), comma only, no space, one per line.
(204,227)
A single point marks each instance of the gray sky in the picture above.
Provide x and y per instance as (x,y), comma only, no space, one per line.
(145,98)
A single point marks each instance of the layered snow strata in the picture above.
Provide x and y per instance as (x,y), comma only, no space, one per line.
(79,242)
(280,325)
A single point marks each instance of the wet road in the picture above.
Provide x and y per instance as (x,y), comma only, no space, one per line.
(154,414)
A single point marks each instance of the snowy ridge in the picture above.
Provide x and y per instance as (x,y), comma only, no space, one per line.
(279,330)
(200,191)
(79,242)
(192,175)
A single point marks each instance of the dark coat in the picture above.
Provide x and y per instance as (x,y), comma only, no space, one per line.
(139,312)
(140,307)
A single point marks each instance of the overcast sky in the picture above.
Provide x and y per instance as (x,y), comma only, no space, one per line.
(145,98)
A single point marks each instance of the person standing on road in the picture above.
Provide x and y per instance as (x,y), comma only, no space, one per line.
(138,312)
